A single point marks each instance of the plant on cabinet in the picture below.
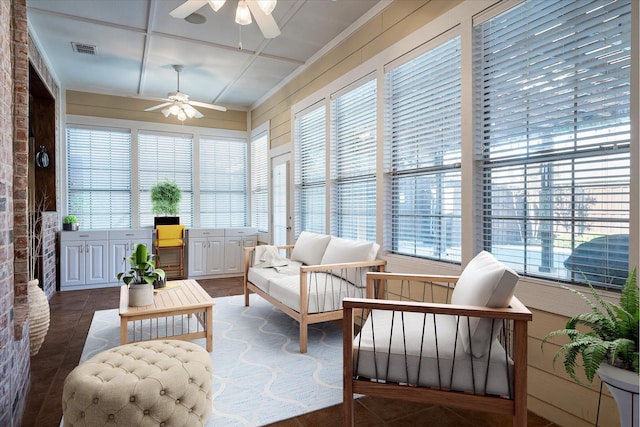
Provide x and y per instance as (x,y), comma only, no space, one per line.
(70,223)
(165,201)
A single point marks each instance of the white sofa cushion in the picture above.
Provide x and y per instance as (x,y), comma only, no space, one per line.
(485,282)
(326,291)
(341,250)
(310,247)
(432,365)
(261,276)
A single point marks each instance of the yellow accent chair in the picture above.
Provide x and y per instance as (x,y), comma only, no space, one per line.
(170,238)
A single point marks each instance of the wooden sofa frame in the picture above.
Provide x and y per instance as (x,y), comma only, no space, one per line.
(517,316)
(303,317)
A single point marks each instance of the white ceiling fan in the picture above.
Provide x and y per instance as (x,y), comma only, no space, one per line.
(178,103)
(260,9)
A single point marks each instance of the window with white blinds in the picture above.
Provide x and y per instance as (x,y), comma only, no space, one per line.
(554,127)
(353,163)
(223,182)
(260,182)
(99,177)
(423,154)
(310,167)
(165,156)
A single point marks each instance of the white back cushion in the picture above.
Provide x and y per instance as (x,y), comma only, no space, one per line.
(310,248)
(485,282)
(341,250)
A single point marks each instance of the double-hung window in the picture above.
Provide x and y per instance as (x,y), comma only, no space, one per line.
(99,176)
(260,182)
(423,153)
(353,162)
(223,182)
(165,156)
(310,170)
(553,83)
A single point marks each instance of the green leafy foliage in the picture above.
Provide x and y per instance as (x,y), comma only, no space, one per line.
(165,198)
(142,267)
(613,334)
(70,219)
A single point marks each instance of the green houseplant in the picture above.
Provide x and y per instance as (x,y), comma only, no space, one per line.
(70,223)
(165,198)
(142,276)
(608,344)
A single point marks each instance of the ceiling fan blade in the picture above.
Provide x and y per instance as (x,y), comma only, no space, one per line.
(198,114)
(187,8)
(157,107)
(205,105)
(267,23)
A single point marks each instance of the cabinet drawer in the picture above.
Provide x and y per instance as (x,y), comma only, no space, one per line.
(205,232)
(129,234)
(239,231)
(67,236)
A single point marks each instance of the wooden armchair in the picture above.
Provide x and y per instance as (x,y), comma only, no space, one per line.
(451,341)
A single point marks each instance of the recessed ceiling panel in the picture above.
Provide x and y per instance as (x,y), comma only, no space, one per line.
(129,13)
(115,67)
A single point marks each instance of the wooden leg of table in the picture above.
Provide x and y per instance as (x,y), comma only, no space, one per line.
(209,328)
(123,330)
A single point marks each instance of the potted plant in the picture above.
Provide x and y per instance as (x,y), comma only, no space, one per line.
(608,345)
(70,223)
(141,276)
(165,200)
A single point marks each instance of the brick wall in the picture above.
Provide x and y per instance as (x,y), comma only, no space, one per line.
(14,339)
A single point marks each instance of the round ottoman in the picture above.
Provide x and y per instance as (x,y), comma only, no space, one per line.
(149,383)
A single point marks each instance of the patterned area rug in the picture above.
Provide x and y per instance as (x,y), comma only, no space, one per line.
(259,375)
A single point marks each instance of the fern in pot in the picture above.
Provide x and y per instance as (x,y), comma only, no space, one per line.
(608,344)
(141,276)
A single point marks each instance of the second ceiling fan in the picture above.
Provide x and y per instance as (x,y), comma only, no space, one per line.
(179,104)
(260,9)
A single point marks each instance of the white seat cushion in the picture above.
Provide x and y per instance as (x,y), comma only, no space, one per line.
(485,282)
(432,367)
(261,276)
(326,292)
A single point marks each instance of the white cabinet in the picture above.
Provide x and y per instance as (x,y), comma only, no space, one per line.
(121,244)
(84,259)
(217,251)
(236,239)
(205,252)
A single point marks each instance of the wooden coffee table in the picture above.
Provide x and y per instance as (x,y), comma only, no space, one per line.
(171,310)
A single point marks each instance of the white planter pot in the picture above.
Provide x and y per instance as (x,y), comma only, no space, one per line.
(140,294)
(624,386)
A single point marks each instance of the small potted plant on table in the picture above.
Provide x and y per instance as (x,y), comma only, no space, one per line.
(141,277)
(70,223)
(609,346)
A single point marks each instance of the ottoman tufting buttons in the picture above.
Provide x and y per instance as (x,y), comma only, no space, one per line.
(144,368)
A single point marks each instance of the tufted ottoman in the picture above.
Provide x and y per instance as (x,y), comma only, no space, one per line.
(148,383)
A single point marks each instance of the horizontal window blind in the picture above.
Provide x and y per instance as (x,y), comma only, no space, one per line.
(223,182)
(310,171)
(353,164)
(423,156)
(99,177)
(165,156)
(260,183)
(554,125)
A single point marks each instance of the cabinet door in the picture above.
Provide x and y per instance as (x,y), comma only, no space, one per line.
(96,262)
(233,254)
(197,257)
(118,250)
(215,255)
(72,264)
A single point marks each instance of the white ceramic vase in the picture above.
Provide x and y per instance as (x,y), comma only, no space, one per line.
(140,294)
(39,316)
(624,386)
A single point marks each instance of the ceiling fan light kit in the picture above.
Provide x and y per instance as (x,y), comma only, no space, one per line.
(179,105)
(243,15)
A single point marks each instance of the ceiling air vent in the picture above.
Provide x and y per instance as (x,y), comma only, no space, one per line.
(84,48)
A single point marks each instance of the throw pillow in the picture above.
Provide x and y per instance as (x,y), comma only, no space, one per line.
(310,248)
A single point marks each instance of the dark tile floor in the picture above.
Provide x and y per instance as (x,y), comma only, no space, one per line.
(71,315)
